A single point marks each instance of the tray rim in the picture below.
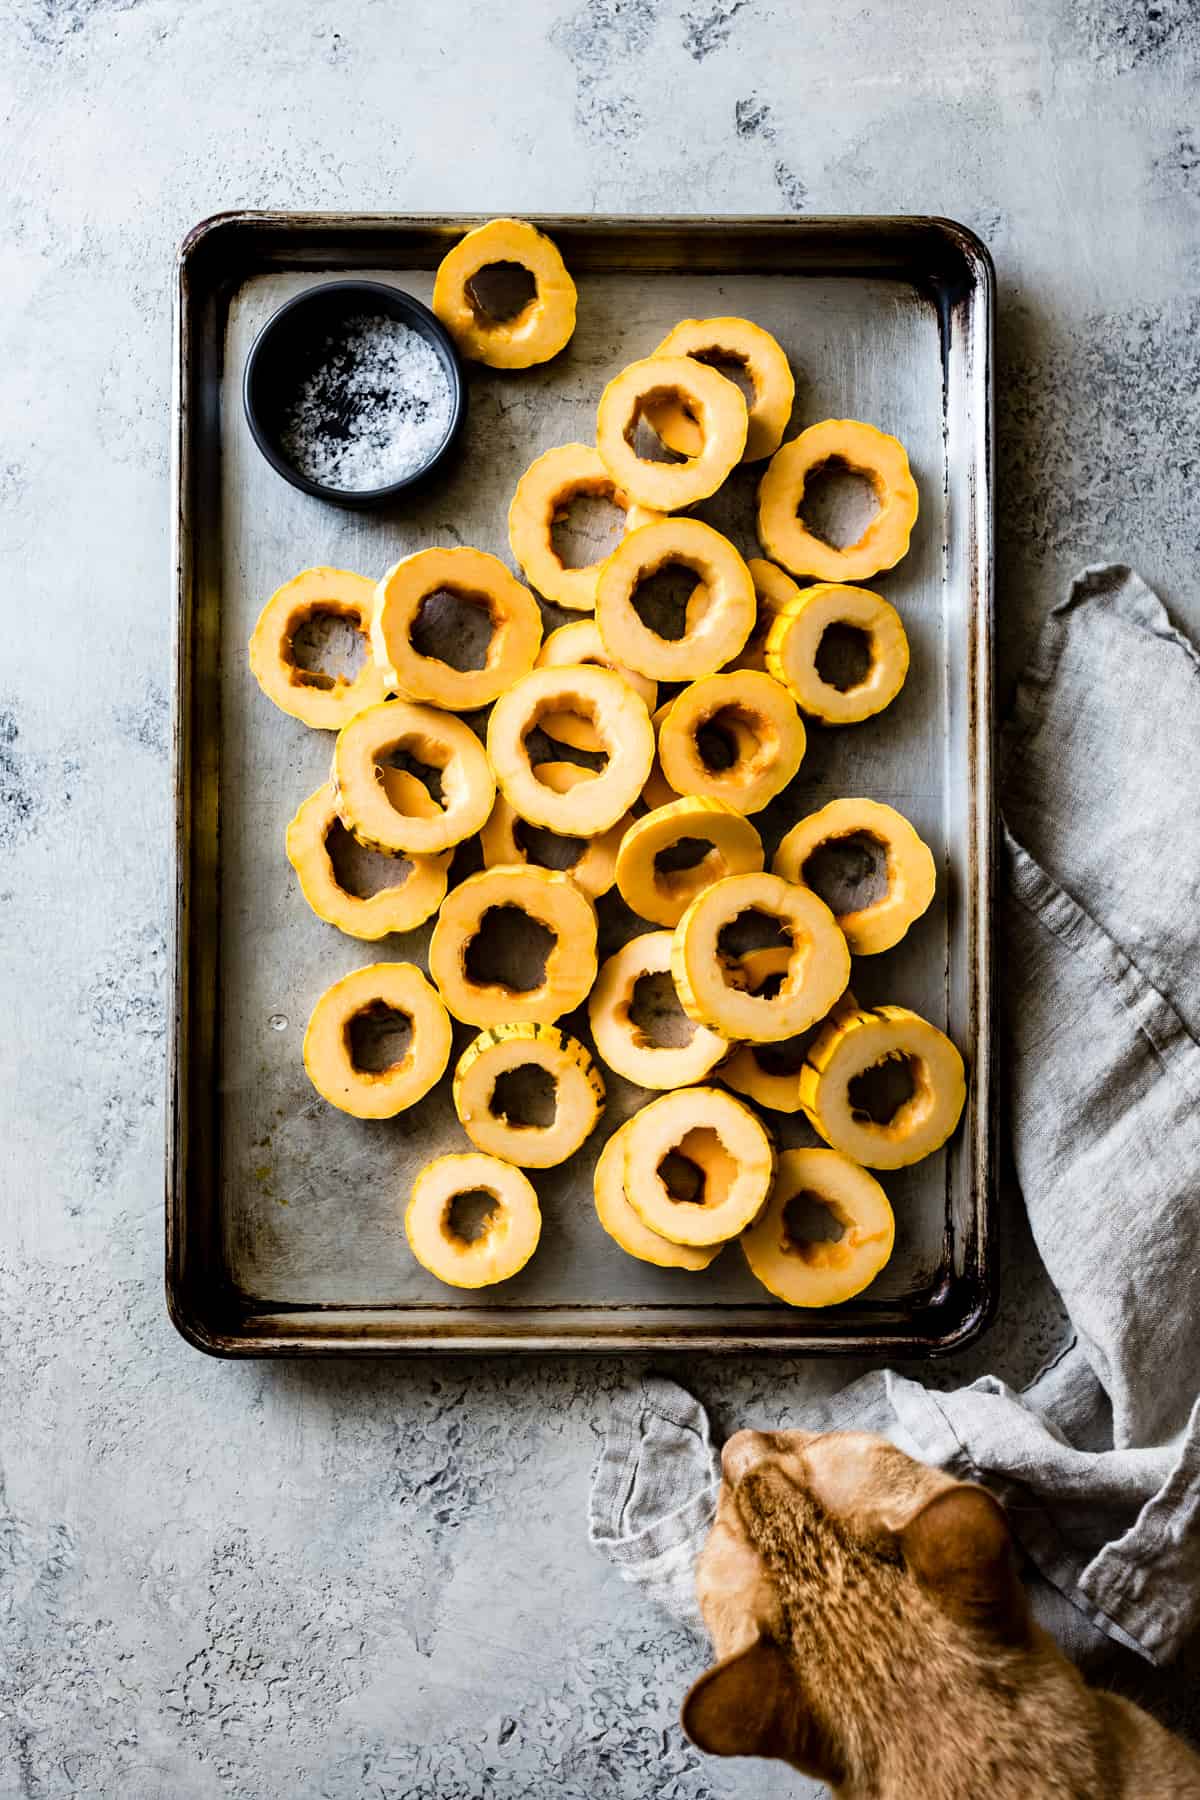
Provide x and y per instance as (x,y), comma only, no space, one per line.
(204,1329)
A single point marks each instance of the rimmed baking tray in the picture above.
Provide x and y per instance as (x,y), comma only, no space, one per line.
(283,1216)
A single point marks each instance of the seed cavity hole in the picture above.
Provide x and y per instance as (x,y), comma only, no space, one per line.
(656,1015)
(734,368)
(500,292)
(843,659)
(685,853)
(548,849)
(378,1038)
(661,600)
(509,950)
(326,646)
(540,748)
(456,628)
(471,1215)
(682,1178)
(879,1093)
(812,1228)
(525,1097)
(838,503)
(586,530)
(702,1151)
(641,436)
(849,872)
(407,762)
(358,871)
(752,929)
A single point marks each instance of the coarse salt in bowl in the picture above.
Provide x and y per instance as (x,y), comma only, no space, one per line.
(354,392)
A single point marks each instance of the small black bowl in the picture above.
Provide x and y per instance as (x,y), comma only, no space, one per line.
(286,345)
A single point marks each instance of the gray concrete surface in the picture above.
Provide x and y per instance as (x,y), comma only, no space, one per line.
(308,1583)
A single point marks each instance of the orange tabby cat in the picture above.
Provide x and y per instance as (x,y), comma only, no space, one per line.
(873,1632)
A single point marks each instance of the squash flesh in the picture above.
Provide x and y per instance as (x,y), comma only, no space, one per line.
(622,1044)
(477,578)
(717,405)
(579,1095)
(596,869)
(371,812)
(766,732)
(744,1069)
(911,874)
(555,902)
(865,449)
(737,1178)
(540,330)
(717,627)
(328,1057)
(821,1273)
(323,702)
(762,357)
(509,1239)
(794,640)
(543,494)
(621,722)
(852,1045)
(580,642)
(623,1224)
(398,908)
(663,897)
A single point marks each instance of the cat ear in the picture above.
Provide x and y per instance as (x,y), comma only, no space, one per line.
(750,1705)
(959,1547)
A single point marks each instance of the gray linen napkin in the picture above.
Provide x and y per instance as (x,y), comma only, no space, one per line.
(1099,1459)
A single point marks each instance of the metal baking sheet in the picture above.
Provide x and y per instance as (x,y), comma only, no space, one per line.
(284,1229)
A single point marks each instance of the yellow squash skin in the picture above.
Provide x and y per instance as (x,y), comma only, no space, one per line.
(573,644)
(728,1144)
(622,1223)
(730,340)
(871,452)
(323,701)
(372,811)
(540,330)
(763,727)
(578,1100)
(821,1273)
(848,1047)
(794,639)
(398,908)
(543,496)
(818,969)
(664,896)
(622,1044)
(596,869)
(769,1074)
(400,987)
(911,874)
(511,1235)
(717,405)
(477,578)
(621,722)
(553,901)
(717,627)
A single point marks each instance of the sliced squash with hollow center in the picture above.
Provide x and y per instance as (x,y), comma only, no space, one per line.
(715,629)
(769,1074)
(663,864)
(850,837)
(622,1043)
(918,1078)
(718,1136)
(377,814)
(870,452)
(818,967)
(543,497)
(754,350)
(554,903)
(658,790)
(399,907)
(751,721)
(622,1223)
(821,1271)
(322,701)
(505,1053)
(773,590)
(364,997)
(509,1231)
(573,644)
(477,579)
(506,839)
(621,722)
(796,637)
(718,406)
(542,326)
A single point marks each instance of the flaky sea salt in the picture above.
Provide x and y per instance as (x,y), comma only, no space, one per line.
(372,408)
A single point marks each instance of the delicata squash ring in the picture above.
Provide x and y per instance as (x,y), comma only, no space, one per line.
(578,1097)
(541,328)
(323,701)
(373,813)
(400,907)
(851,1045)
(870,452)
(329,1041)
(717,406)
(794,640)
(769,1074)
(910,873)
(623,1045)
(773,589)
(658,790)
(544,493)
(729,340)
(580,642)
(759,723)
(622,1223)
(821,1272)
(735,1157)
(596,867)
(663,895)
(554,901)
(714,633)
(621,722)
(508,1238)
(818,967)
(480,580)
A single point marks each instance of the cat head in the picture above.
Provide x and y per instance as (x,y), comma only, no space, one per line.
(840,1579)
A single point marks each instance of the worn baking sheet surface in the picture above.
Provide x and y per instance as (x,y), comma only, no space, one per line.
(310,1202)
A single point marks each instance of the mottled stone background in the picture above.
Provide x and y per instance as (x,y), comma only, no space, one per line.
(298,1582)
